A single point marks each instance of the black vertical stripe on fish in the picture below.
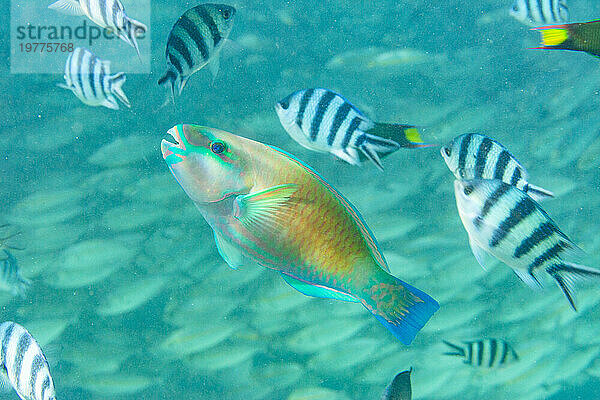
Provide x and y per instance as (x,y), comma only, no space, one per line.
(210,23)
(469,353)
(79,64)
(501,164)
(522,210)
(5,341)
(192,30)
(338,120)
(541,233)
(464,152)
(22,346)
(360,140)
(306,96)
(491,202)
(553,11)
(549,254)
(115,13)
(91,75)
(175,62)
(350,131)
(504,352)
(541,10)
(106,90)
(481,158)
(515,176)
(493,351)
(103,11)
(322,106)
(176,43)
(480,350)
(45,386)
(528,7)
(37,365)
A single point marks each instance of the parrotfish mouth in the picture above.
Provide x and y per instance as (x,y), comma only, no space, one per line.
(173,152)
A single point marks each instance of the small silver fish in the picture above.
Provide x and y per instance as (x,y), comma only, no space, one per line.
(89,78)
(400,387)
(322,120)
(540,12)
(476,156)
(505,222)
(108,14)
(23,363)
(195,41)
(490,353)
(10,276)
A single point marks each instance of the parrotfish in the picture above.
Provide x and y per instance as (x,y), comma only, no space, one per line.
(584,36)
(268,208)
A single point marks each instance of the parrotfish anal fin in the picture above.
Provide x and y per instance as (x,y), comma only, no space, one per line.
(480,254)
(528,279)
(70,7)
(317,291)
(364,229)
(232,255)
(265,210)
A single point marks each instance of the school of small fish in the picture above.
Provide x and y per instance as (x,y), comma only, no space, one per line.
(286,319)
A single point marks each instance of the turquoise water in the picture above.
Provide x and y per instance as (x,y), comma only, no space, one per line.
(130,298)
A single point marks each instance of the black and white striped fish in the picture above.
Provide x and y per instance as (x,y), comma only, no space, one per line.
(323,121)
(23,364)
(10,276)
(89,78)
(490,353)
(503,221)
(476,156)
(108,14)
(400,388)
(195,41)
(540,12)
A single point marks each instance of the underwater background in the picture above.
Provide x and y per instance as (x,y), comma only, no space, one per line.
(128,290)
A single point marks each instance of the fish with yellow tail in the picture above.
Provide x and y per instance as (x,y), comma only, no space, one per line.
(584,36)
(268,208)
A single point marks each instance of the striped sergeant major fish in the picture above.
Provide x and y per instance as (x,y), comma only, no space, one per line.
(490,353)
(108,14)
(323,121)
(540,12)
(583,36)
(195,41)
(475,156)
(10,276)
(400,387)
(89,78)
(24,365)
(506,223)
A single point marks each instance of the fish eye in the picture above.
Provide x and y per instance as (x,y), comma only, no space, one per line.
(515,8)
(447,151)
(226,14)
(285,104)
(217,147)
(468,190)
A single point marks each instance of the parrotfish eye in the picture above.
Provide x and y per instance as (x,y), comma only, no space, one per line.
(226,14)
(217,147)
(447,151)
(468,190)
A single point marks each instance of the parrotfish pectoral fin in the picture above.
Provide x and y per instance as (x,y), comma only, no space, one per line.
(70,7)
(317,291)
(456,350)
(537,193)
(407,136)
(566,274)
(400,307)
(264,210)
(231,254)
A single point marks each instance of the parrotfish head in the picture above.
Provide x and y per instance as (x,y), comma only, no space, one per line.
(207,162)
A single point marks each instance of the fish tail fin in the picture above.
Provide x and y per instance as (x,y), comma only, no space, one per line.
(400,307)
(537,193)
(553,36)
(21,286)
(566,274)
(456,350)
(374,148)
(117,81)
(407,136)
(170,77)
(137,29)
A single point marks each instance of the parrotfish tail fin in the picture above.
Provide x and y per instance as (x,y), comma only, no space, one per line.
(537,193)
(553,36)
(116,87)
(401,308)
(407,136)
(456,350)
(171,77)
(566,274)
(374,148)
